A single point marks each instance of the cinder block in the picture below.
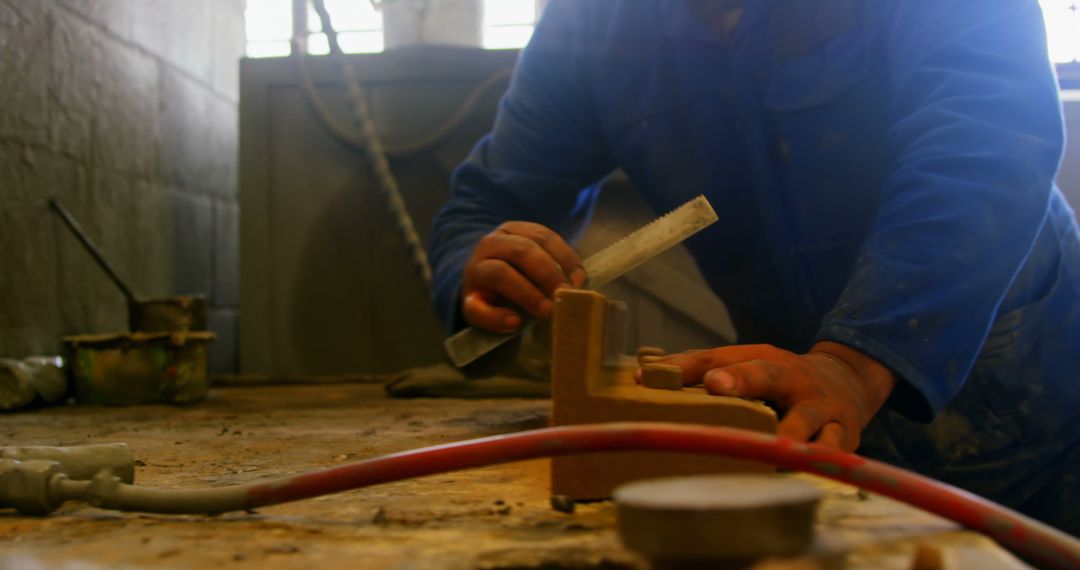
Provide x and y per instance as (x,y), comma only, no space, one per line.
(24,72)
(192,242)
(153,248)
(127,218)
(223,352)
(229,46)
(136,217)
(116,16)
(29,313)
(11,174)
(199,136)
(82,118)
(106,98)
(226,289)
(28,173)
(180,33)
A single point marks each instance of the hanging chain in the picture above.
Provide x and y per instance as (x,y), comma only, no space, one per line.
(384,177)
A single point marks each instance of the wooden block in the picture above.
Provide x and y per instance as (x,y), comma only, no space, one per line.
(928,557)
(649,359)
(661,376)
(650,351)
(585,391)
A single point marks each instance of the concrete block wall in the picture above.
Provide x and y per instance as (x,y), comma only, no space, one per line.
(126,111)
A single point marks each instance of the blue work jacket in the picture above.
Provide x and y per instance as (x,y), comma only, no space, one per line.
(883,172)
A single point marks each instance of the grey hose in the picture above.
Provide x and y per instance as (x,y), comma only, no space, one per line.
(107,492)
(39,487)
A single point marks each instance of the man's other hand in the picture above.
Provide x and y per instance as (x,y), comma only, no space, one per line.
(519,264)
(827,395)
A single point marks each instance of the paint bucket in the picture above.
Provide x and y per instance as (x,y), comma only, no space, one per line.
(179,313)
(140,368)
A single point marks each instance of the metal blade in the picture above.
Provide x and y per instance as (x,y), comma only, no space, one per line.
(601,268)
(647,242)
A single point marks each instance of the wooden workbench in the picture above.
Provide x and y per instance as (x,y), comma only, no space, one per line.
(493,518)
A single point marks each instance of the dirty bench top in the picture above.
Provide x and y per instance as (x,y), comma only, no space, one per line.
(496,518)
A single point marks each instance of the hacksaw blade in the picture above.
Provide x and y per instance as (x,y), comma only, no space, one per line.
(601,268)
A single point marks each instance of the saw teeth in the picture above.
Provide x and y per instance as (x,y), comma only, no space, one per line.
(686,205)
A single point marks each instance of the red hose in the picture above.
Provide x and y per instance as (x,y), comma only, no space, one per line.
(1031,539)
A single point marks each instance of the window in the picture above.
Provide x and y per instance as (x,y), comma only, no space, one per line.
(1062,29)
(359,27)
(506,24)
(509,23)
(270,27)
(1063,38)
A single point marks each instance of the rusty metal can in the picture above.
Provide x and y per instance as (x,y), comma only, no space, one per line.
(139,368)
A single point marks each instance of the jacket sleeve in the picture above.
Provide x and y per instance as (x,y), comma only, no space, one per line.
(976,136)
(538,163)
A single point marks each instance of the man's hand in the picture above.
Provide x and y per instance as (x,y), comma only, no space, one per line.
(519,263)
(828,395)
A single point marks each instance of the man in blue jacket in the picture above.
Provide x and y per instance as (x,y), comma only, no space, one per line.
(902,271)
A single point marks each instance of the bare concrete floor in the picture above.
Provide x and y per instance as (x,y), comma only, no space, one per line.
(494,518)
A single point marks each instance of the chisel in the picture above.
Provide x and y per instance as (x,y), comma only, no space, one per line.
(601,268)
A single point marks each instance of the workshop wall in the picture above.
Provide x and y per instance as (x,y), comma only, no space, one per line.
(126,112)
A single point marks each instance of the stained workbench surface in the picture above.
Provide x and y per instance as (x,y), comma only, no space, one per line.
(495,517)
